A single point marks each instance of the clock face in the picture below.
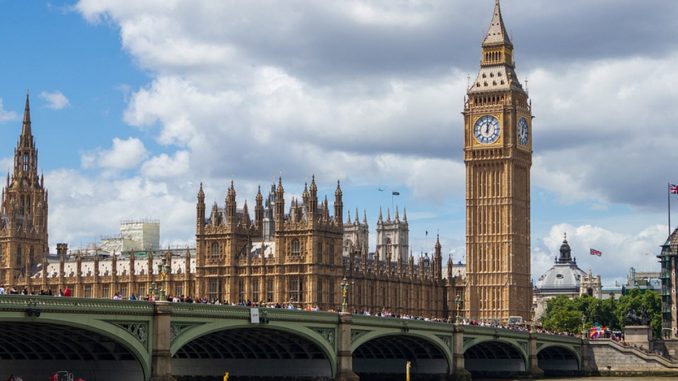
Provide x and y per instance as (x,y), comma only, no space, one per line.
(523,131)
(486,129)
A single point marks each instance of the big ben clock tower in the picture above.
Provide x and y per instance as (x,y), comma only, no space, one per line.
(498,157)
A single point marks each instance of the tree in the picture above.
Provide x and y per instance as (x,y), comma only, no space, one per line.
(567,315)
(562,315)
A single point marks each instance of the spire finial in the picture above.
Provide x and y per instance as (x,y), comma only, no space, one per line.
(496,34)
(26,128)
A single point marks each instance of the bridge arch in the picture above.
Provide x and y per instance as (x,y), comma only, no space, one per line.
(558,359)
(385,352)
(490,356)
(91,348)
(254,349)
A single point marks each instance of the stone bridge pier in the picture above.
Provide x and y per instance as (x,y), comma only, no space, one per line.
(161,356)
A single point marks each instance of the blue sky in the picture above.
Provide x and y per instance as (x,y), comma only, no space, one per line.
(135,103)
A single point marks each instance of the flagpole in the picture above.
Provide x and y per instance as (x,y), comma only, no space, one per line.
(668,196)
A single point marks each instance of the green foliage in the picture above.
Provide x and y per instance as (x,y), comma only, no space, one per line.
(571,315)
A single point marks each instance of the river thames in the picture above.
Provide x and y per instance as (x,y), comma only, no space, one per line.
(599,378)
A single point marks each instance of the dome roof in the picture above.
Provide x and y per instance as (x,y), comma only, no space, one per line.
(564,277)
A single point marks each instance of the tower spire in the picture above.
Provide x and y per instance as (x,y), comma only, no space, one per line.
(496,34)
(26,127)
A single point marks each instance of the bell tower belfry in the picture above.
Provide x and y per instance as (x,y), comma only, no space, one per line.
(498,157)
(23,212)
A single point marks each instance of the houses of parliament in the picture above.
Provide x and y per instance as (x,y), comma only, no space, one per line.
(304,252)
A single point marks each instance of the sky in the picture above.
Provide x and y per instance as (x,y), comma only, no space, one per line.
(134,104)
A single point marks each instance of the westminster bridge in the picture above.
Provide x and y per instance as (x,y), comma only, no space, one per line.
(111,340)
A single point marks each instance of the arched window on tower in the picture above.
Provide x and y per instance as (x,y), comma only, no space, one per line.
(19,257)
(24,162)
(296,248)
(389,249)
(214,252)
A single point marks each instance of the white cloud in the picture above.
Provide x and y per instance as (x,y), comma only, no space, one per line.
(621,251)
(593,137)
(371,93)
(163,165)
(82,209)
(124,154)
(6,116)
(55,100)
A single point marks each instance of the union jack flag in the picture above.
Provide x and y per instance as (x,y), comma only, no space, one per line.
(673,189)
(596,252)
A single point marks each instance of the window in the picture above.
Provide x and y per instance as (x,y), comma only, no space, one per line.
(321,297)
(255,290)
(241,290)
(88,291)
(213,289)
(296,248)
(178,289)
(269,290)
(330,294)
(105,291)
(295,290)
(19,256)
(25,162)
(214,252)
(330,253)
(142,291)
(123,291)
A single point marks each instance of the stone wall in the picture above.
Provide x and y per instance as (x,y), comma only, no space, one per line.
(607,357)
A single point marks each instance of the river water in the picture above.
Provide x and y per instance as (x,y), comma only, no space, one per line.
(600,378)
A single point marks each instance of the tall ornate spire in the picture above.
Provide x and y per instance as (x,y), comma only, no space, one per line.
(25,155)
(26,127)
(496,34)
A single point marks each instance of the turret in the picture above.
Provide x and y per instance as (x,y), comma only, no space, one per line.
(438,260)
(231,206)
(200,211)
(313,200)
(259,210)
(245,216)
(279,205)
(339,205)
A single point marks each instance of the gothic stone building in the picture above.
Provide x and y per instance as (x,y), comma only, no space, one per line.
(23,214)
(300,255)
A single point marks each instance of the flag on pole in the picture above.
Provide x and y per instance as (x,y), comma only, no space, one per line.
(596,252)
(673,189)
(396,193)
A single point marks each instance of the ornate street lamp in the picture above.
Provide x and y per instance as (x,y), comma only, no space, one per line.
(344,294)
(458,301)
(163,271)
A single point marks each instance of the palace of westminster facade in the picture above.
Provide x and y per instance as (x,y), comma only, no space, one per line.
(301,253)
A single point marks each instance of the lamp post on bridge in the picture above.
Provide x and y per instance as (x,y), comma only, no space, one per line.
(344,295)
(163,272)
(458,301)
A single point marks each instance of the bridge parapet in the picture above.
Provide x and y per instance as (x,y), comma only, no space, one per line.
(88,305)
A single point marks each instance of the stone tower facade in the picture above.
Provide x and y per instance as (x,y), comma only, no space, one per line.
(393,237)
(299,260)
(356,234)
(23,215)
(498,157)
